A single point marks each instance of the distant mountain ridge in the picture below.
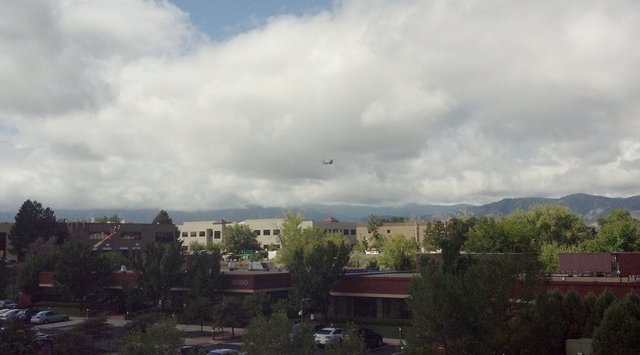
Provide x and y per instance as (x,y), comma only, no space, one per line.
(589,206)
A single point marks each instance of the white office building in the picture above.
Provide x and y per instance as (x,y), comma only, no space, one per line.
(267,230)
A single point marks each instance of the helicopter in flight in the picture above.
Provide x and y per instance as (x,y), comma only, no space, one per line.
(327,162)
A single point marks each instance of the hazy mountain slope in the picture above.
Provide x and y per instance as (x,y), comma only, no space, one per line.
(589,206)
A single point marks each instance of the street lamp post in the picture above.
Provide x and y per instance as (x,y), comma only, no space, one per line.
(302,301)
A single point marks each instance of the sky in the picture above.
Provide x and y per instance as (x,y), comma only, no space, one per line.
(195,105)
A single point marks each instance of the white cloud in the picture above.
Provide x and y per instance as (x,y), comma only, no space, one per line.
(123,104)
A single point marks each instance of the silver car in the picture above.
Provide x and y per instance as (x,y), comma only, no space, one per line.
(12,314)
(49,317)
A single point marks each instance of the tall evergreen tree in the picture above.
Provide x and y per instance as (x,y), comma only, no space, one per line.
(32,222)
(162,218)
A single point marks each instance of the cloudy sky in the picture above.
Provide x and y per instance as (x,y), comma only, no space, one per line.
(191,105)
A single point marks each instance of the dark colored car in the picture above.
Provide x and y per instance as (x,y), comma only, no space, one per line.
(26,314)
(371,339)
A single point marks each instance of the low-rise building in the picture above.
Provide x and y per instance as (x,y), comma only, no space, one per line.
(267,230)
(127,238)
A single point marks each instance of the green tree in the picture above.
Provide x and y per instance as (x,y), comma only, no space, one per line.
(17,338)
(198,310)
(273,335)
(314,260)
(467,309)
(109,219)
(505,235)
(239,237)
(447,237)
(161,338)
(203,278)
(257,304)
(162,218)
(158,270)
(605,300)
(550,251)
(589,304)
(197,247)
(117,260)
(351,344)
(373,225)
(557,223)
(619,329)
(203,275)
(399,253)
(33,222)
(82,338)
(229,313)
(543,326)
(79,273)
(316,269)
(41,256)
(574,314)
(290,232)
(619,231)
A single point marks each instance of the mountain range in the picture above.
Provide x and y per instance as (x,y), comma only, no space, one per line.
(590,207)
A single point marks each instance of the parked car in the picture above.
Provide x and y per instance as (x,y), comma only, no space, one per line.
(42,336)
(11,314)
(49,317)
(3,311)
(328,335)
(26,314)
(8,304)
(371,339)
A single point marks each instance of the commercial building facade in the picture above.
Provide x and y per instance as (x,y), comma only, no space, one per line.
(267,230)
(127,238)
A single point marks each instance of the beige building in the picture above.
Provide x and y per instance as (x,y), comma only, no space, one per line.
(267,230)
(411,229)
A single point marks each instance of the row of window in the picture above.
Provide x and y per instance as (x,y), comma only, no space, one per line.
(217,234)
(267,232)
(258,232)
(159,237)
(343,231)
(209,233)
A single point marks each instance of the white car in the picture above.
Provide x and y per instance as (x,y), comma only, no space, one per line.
(328,335)
(49,317)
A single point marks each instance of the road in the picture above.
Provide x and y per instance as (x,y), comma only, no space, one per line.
(206,342)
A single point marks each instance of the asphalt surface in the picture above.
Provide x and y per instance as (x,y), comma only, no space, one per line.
(223,339)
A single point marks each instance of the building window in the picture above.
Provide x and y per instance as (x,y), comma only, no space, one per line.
(185,234)
(257,232)
(276,232)
(266,232)
(209,233)
(388,231)
(216,234)
(201,234)
(193,234)
(353,232)
(164,237)
(131,235)
(97,235)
